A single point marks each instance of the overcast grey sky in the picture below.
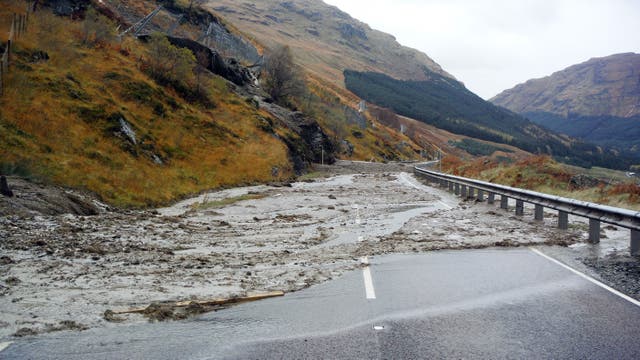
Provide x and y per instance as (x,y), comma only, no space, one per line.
(493,45)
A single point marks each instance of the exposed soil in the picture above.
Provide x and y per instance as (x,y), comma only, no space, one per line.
(64,271)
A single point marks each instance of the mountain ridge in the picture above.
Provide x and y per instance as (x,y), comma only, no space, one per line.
(597,100)
(339,41)
(600,86)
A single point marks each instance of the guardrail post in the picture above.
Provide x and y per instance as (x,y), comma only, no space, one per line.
(463,191)
(594,231)
(539,213)
(504,202)
(563,220)
(492,198)
(457,189)
(471,192)
(480,196)
(519,207)
(635,243)
(450,186)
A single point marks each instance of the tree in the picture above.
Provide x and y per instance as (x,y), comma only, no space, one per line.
(96,29)
(167,62)
(282,76)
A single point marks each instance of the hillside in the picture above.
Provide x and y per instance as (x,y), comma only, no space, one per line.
(325,40)
(598,100)
(447,104)
(86,110)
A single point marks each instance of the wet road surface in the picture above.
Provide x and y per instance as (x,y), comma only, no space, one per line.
(451,304)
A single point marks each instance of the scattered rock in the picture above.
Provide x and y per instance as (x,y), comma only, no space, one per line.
(22,332)
(66,325)
(5,260)
(110,316)
(12,281)
(582,181)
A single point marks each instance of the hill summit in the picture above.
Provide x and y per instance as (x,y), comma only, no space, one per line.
(598,101)
(601,86)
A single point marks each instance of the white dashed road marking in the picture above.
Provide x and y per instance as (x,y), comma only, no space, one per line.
(5,345)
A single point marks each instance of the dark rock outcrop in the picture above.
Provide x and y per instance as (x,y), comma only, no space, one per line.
(582,181)
(320,146)
(310,144)
(4,187)
(229,69)
(349,31)
(67,7)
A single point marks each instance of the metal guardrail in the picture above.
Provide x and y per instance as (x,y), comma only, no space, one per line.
(596,213)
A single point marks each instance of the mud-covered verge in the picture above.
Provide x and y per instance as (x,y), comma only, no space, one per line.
(69,272)
(31,198)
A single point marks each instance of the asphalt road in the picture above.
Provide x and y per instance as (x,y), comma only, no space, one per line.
(451,304)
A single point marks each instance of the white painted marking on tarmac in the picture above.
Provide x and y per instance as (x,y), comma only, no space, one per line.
(447,206)
(378,327)
(5,345)
(588,278)
(368,280)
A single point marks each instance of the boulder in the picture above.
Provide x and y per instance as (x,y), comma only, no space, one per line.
(582,181)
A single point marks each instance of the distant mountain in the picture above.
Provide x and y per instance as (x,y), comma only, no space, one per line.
(449,105)
(598,100)
(336,49)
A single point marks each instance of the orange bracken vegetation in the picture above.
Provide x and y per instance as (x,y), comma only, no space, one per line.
(542,173)
(60,121)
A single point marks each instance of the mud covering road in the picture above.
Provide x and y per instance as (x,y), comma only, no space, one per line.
(68,271)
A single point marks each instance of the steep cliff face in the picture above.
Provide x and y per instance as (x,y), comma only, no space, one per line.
(598,100)
(601,86)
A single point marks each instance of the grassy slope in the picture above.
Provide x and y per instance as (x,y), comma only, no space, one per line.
(541,173)
(56,124)
(313,31)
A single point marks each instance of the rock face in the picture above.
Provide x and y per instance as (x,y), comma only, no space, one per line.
(228,68)
(312,144)
(601,86)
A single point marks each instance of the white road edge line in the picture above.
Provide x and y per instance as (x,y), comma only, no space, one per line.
(5,345)
(588,278)
(368,280)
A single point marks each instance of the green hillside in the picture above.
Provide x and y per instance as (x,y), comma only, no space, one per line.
(447,104)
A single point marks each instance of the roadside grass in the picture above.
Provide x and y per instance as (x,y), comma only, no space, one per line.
(543,174)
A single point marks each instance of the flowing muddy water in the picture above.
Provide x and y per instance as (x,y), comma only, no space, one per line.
(63,272)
